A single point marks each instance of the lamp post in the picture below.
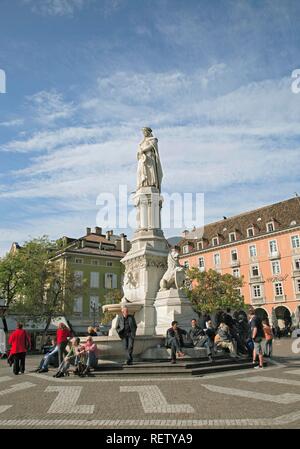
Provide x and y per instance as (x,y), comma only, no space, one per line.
(93,307)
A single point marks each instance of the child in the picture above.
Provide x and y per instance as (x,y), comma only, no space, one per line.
(268,338)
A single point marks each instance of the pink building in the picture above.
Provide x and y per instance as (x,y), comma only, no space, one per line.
(263,246)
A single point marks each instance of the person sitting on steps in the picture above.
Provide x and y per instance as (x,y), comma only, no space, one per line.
(73,357)
(90,352)
(174,340)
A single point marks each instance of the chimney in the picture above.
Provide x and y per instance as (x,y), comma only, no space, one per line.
(123,243)
(185,233)
(98,230)
(88,231)
(109,234)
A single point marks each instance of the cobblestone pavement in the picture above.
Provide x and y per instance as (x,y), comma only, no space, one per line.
(268,398)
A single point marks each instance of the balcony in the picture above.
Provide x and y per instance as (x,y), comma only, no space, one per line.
(235,263)
(279,298)
(258,301)
(296,272)
(255,279)
(274,255)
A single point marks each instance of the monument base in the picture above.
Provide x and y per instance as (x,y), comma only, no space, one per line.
(111,348)
(173,305)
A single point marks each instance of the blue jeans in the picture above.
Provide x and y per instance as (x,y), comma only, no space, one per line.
(91,361)
(47,358)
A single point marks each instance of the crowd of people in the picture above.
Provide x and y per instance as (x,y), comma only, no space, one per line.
(239,335)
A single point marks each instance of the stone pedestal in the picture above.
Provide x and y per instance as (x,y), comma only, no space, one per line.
(145,265)
(172,305)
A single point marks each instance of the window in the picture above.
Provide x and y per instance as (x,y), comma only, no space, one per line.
(276,267)
(255,270)
(186,264)
(295,241)
(78,260)
(201,262)
(109,263)
(252,251)
(256,291)
(94,280)
(270,226)
(217,259)
(94,305)
(273,246)
(297,264)
(199,246)
(110,280)
(77,305)
(78,278)
(215,241)
(232,237)
(94,262)
(185,249)
(236,272)
(278,288)
(250,232)
(234,255)
(298,285)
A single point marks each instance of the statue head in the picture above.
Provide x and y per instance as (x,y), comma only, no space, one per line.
(147,132)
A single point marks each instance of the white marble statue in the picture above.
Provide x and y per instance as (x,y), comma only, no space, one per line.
(174,277)
(149,172)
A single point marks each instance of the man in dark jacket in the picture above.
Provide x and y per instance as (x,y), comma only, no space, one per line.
(174,340)
(126,329)
(200,338)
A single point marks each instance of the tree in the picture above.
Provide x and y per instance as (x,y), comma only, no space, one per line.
(10,278)
(210,291)
(47,288)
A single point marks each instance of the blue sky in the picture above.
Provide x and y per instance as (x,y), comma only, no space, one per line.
(211,77)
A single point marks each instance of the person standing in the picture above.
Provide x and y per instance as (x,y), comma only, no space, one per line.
(20,343)
(126,329)
(268,338)
(63,333)
(257,337)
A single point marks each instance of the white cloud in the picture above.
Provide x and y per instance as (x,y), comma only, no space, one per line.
(56,7)
(208,143)
(49,106)
(13,122)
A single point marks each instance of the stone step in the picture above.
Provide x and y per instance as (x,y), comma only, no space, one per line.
(216,362)
(176,369)
(221,368)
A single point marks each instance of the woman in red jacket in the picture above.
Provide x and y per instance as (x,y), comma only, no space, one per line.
(20,343)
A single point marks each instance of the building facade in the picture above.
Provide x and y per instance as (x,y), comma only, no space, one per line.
(262,246)
(95,261)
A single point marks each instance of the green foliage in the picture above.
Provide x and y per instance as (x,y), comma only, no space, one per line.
(10,278)
(211,291)
(45,287)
